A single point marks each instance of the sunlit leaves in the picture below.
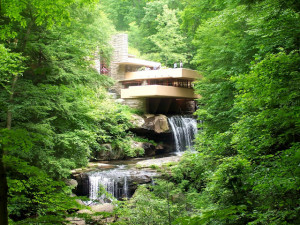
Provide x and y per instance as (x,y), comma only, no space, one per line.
(169,40)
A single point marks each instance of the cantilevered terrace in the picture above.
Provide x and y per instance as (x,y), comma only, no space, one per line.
(162,83)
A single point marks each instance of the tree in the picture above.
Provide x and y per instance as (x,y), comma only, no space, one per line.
(267,133)
(124,12)
(11,66)
(169,42)
(249,144)
(53,99)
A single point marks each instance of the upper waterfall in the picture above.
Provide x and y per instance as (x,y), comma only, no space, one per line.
(184,130)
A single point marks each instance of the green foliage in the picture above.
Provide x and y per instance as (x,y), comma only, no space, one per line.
(162,205)
(142,139)
(124,12)
(60,108)
(153,28)
(43,13)
(246,171)
(33,193)
(168,40)
(11,66)
(268,100)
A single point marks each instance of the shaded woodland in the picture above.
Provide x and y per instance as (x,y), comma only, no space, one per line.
(56,112)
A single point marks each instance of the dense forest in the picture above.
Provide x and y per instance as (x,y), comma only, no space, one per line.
(56,111)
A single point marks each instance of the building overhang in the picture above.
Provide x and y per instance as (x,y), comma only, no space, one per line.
(158,91)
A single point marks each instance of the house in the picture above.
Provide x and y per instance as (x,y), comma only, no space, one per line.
(145,85)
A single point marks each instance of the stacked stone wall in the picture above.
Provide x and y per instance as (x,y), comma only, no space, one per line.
(136,103)
(119,43)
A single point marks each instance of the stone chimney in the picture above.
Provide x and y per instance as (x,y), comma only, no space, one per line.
(119,43)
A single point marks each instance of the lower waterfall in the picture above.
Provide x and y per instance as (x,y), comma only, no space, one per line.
(119,183)
(184,129)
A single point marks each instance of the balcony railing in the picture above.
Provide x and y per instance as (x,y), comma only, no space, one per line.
(165,82)
(163,73)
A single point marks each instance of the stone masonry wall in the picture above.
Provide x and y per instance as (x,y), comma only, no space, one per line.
(120,53)
(136,103)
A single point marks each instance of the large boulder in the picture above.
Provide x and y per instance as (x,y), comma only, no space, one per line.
(149,148)
(150,123)
(157,123)
(106,207)
(137,121)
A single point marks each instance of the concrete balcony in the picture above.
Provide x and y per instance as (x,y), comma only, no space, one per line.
(158,91)
(163,73)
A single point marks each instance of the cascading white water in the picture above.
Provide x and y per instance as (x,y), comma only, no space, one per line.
(125,188)
(114,181)
(184,130)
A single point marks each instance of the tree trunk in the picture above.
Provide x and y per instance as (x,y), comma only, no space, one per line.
(11,97)
(3,192)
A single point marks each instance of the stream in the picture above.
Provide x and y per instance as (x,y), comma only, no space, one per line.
(121,178)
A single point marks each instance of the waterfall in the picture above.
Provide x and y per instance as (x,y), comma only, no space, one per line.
(112,181)
(118,183)
(184,130)
(125,188)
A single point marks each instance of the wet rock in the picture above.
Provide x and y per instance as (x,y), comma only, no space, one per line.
(76,220)
(97,165)
(109,153)
(150,149)
(159,124)
(140,179)
(147,116)
(71,182)
(106,207)
(82,188)
(85,211)
(137,120)
(155,124)
(158,162)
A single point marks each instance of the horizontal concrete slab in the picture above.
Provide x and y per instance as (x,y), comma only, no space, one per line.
(158,91)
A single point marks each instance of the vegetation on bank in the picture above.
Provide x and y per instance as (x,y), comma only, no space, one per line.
(55,110)
(246,170)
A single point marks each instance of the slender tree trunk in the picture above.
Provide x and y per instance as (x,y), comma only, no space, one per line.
(9,112)
(3,191)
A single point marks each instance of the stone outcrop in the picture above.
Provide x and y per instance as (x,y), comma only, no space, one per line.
(156,128)
(151,123)
(82,189)
(149,148)
(158,162)
(108,153)
(106,207)
(98,219)
(149,126)
(159,124)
